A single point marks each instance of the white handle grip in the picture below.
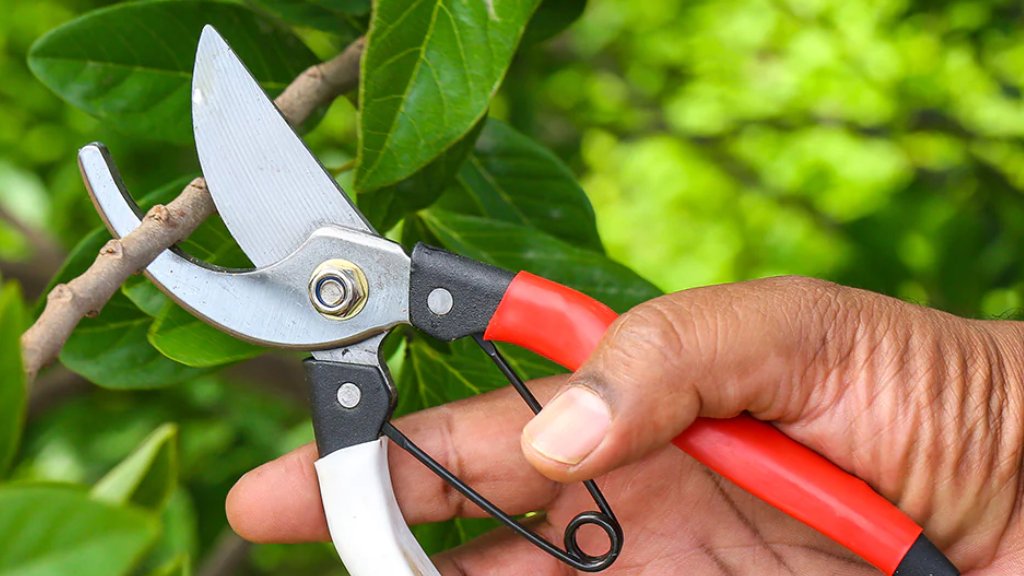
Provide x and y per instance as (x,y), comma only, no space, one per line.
(366,525)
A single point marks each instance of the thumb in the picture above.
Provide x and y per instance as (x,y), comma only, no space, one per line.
(759,346)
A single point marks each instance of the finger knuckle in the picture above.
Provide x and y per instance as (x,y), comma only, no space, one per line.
(647,332)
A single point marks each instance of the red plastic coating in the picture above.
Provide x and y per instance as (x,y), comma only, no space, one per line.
(565,326)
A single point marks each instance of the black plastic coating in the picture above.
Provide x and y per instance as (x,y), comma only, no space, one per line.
(476,290)
(924,559)
(335,426)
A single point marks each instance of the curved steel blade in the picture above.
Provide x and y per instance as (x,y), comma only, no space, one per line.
(270,190)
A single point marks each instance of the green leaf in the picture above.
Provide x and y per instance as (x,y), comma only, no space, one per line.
(182,337)
(178,542)
(12,378)
(436,373)
(177,566)
(49,530)
(440,536)
(386,206)
(510,177)
(131,64)
(551,17)
(434,66)
(344,18)
(112,350)
(145,295)
(148,476)
(517,247)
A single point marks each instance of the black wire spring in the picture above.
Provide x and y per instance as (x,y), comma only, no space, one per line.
(572,554)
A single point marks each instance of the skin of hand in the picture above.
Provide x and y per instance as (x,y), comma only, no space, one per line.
(926,407)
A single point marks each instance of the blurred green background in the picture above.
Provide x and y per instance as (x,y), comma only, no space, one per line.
(874,143)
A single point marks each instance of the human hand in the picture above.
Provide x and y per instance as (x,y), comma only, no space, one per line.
(926,407)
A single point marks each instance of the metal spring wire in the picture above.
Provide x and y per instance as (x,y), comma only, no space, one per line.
(572,555)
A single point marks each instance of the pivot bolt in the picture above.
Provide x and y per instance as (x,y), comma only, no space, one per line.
(338,289)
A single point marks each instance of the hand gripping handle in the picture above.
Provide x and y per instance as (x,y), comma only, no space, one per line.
(565,326)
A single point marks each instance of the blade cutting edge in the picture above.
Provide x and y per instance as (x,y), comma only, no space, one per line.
(269,189)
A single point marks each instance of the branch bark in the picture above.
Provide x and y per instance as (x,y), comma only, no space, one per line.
(167,225)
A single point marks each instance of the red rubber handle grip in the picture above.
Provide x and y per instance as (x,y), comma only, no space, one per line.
(565,326)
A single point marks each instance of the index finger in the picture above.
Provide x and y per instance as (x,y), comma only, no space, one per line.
(476,438)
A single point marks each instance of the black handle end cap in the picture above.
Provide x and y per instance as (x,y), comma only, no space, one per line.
(924,559)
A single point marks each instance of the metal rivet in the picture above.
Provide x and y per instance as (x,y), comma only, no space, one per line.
(440,301)
(349,395)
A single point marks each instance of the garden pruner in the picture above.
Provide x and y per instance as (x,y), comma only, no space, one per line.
(324,281)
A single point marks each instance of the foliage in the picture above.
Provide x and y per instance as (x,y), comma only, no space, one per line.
(12,378)
(139,78)
(872,142)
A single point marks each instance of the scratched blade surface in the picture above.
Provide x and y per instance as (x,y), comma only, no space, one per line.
(269,189)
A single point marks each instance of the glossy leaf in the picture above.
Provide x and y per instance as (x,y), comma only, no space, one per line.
(49,530)
(179,335)
(552,17)
(111,350)
(145,295)
(511,178)
(148,476)
(435,65)
(12,378)
(387,206)
(517,247)
(131,64)
(344,18)
(435,373)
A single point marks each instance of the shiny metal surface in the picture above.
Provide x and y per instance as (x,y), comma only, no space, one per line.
(270,190)
(440,301)
(360,352)
(338,288)
(349,395)
(268,305)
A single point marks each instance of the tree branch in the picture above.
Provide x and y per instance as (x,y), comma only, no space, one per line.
(227,556)
(45,257)
(167,225)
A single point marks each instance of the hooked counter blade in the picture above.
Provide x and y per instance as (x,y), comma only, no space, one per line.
(269,189)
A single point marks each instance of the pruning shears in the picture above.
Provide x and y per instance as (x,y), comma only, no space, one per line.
(326,282)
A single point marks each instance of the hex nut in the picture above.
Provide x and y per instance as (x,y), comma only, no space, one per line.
(338,289)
